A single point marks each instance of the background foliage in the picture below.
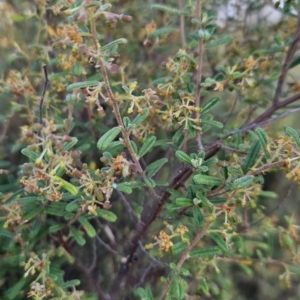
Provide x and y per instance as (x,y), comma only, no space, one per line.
(145,151)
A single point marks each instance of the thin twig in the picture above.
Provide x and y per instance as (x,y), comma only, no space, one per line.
(269,213)
(198,15)
(184,257)
(285,68)
(182,24)
(43,93)
(154,260)
(128,208)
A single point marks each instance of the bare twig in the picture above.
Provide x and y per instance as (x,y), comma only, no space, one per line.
(154,260)
(43,93)
(184,257)
(198,15)
(288,59)
(269,213)
(182,25)
(128,208)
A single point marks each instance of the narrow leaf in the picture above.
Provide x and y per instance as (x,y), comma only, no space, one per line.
(149,182)
(69,145)
(90,230)
(106,139)
(147,146)
(83,84)
(207,180)
(179,247)
(221,41)
(219,241)
(182,202)
(243,182)
(197,215)
(72,206)
(77,236)
(72,189)
(142,116)
(168,9)
(210,104)
(125,188)
(205,252)
(293,134)
(183,157)
(56,227)
(154,167)
(33,213)
(112,44)
(70,283)
(263,138)
(107,215)
(205,202)
(251,156)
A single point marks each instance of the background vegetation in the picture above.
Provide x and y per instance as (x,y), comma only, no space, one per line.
(146,152)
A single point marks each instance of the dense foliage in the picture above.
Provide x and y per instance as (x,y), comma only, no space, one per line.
(147,153)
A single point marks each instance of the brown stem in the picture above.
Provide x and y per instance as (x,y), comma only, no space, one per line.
(285,68)
(198,15)
(43,93)
(182,25)
(184,257)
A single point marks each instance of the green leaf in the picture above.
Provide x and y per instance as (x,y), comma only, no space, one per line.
(295,62)
(162,31)
(252,155)
(168,9)
(219,241)
(83,84)
(106,139)
(210,104)
(205,202)
(149,182)
(242,182)
(69,145)
(179,247)
(56,209)
(263,138)
(209,251)
(221,41)
(187,57)
(144,294)
(147,146)
(70,283)
(183,157)
(56,227)
(77,236)
(14,290)
(293,134)
(30,154)
(154,167)
(134,146)
(106,215)
(125,188)
(182,202)
(112,44)
(72,206)
(197,215)
(72,189)
(177,288)
(141,117)
(212,123)
(204,286)
(33,213)
(90,230)
(207,180)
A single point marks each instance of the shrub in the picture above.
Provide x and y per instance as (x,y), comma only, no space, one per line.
(139,145)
